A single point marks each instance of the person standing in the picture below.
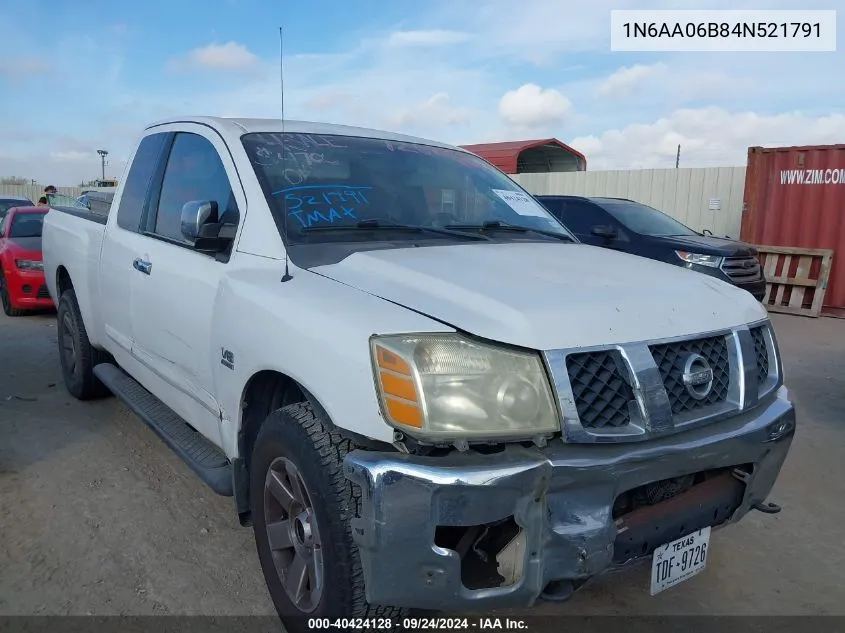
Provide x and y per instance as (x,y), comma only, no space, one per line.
(44,200)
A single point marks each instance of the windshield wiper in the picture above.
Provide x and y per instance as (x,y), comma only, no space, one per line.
(375,225)
(498,225)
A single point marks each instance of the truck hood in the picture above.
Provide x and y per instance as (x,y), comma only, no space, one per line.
(708,245)
(548,295)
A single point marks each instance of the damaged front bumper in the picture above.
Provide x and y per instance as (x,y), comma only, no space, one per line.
(532,522)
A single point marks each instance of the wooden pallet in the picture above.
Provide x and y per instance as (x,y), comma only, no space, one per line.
(796,278)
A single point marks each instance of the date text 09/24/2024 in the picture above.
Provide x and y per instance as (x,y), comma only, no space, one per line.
(418,624)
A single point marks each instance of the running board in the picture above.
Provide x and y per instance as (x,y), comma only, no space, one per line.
(208,461)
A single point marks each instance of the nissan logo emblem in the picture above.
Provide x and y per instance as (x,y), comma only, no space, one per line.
(697,376)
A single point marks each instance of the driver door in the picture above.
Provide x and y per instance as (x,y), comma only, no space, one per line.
(174,287)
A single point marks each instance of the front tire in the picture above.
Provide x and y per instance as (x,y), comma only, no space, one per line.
(76,354)
(6,300)
(301,507)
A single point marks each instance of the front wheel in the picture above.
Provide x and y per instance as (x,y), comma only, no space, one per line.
(301,507)
(6,299)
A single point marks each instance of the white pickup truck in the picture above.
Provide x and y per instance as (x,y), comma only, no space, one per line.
(420,390)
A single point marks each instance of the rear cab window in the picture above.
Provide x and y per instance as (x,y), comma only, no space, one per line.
(138,181)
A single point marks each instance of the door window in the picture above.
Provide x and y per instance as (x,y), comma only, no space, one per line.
(580,217)
(194,172)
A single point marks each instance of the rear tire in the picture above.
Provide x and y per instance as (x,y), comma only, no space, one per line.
(6,299)
(76,354)
(299,448)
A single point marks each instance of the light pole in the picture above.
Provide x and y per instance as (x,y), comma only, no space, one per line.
(103,153)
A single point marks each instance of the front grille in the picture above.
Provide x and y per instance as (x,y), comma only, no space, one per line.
(601,387)
(761,351)
(670,359)
(43,293)
(635,391)
(742,269)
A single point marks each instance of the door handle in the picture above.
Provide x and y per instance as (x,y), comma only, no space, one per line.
(141,265)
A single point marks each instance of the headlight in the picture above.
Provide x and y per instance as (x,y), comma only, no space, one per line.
(449,387)
(713,261)
(28,264)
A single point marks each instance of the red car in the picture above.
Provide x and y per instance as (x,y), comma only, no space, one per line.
(22,284)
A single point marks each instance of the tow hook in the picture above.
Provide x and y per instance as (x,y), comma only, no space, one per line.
(767,508)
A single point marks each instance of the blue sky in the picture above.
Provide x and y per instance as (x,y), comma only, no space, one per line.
(75,77)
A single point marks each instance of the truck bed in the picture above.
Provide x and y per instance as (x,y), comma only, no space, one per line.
(85,214)
(71,242)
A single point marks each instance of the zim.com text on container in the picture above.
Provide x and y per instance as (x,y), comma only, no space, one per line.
(812,176)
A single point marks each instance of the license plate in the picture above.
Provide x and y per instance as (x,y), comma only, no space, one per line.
(679,560)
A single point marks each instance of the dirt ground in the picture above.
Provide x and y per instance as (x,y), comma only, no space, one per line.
(98,517)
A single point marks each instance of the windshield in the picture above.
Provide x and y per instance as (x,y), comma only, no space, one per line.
(320,182)
(27,224)
(643,219)
(61,200)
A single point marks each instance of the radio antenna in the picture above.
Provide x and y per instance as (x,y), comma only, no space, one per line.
(287,276)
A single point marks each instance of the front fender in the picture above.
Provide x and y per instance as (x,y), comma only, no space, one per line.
(312,329)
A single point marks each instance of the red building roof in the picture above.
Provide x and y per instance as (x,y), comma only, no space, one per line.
(534,156)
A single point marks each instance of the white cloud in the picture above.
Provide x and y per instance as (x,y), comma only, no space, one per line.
(72,156)
(536,30)
(327,100)
(532,106)
(14,135)
(228,56)
(627,78)
(437,110)
(24,66)
(708,137)
(443,72)
(436,99)
(434,37)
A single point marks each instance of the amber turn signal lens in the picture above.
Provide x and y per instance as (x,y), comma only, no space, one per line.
(389,360)
(394,385)
(401,401)
(403,413)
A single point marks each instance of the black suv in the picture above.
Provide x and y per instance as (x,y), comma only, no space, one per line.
(632,227)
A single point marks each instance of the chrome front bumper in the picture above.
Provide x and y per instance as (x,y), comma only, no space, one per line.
(562,497)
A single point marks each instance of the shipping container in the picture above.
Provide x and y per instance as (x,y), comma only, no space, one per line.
(795,197)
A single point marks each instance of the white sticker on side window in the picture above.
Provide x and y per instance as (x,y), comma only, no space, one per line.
(521,202)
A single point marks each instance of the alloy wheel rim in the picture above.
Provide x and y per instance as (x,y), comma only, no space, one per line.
(68,347)
(293,534)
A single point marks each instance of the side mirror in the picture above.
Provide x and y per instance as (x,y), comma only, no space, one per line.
(202,227)
(196,214)
(606,232)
